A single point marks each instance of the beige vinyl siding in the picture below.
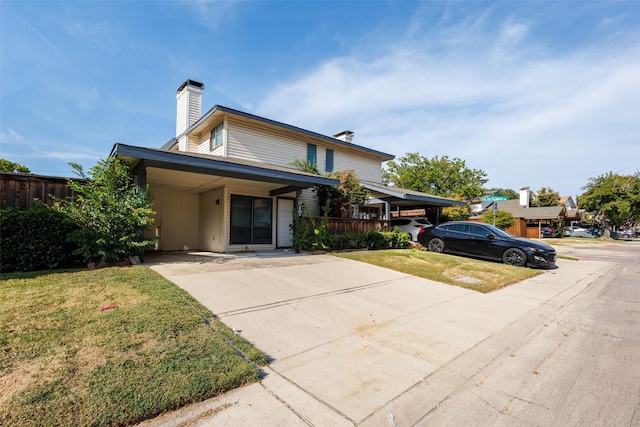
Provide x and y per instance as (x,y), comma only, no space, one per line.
(204,144)
(189,106)
(193,144)
(310,202)
(181,115)
(253,142)
(177,219)
(182,143)
(368,167)
(246,191)
(211,212)
(250,141)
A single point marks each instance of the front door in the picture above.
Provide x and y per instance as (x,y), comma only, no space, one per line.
(285,219)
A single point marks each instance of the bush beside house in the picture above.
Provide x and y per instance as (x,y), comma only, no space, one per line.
(35,239)
(311,234)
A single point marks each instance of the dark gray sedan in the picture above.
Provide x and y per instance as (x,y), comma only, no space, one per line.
(486,241)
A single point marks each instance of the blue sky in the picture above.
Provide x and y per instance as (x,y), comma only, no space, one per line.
(534,93)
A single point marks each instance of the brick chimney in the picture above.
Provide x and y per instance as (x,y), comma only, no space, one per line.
(189,105)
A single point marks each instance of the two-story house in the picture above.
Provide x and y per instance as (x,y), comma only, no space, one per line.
(225,182)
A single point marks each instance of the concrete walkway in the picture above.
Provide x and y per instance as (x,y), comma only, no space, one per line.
(355,344)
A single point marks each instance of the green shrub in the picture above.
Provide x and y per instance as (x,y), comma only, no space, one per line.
(311,234)
(35,239)
(376,241)
(397,239)
(111,212)
(348,241)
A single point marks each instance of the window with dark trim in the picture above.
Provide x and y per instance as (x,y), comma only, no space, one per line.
(216,137)
(329,161)
(251,220)
(312,154)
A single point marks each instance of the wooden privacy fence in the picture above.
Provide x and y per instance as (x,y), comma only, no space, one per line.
(345,225)
(20,190)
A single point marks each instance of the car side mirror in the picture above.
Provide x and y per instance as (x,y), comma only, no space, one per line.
(491,236)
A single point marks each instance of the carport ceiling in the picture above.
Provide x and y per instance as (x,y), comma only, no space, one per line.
(199,183)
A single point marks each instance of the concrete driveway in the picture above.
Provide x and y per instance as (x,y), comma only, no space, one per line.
(355,344)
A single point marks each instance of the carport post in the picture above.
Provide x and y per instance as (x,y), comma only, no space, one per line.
(387,211)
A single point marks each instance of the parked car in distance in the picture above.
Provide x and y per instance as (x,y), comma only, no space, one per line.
(627,233)
(411,225)
(573,228)
(587,233)
(546,231)
(486,241)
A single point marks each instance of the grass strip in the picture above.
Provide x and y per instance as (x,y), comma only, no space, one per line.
(109,347)
(469,273)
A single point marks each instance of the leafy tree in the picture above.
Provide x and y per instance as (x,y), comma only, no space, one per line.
(456,213)
(504,219)
(7,166)
(440,176)
(546,197)
(335,201)
(110,211)
(511,194)
(614,197)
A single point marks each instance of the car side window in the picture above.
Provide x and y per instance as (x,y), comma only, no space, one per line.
(460,228)
(478,231)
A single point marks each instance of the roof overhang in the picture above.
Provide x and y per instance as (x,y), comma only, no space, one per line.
(290,179)
(216,110)
(407,198)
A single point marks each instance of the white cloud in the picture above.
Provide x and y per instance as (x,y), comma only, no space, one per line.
(521,118)
(9,136)
(211,13)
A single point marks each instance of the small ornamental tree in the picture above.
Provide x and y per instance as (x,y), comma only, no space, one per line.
(504,219)
(110,210)
(456,213)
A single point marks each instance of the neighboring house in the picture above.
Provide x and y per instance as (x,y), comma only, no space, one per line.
(225,182)
(573,214)
(529,219)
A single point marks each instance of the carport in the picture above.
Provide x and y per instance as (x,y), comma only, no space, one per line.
(390,199)
(215,203)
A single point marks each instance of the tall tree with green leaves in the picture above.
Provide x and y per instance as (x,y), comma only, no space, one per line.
(511,194)
(546,197)
(614,197)
(440,176)
(8,166)
(110,210)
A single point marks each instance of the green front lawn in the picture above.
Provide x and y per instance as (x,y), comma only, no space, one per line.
(68,359)
(454,270)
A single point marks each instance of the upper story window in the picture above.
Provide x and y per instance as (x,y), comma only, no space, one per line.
(328,167)
(216,137)
(312,154)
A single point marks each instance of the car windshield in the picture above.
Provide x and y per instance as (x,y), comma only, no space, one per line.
(422,221)
(498,231)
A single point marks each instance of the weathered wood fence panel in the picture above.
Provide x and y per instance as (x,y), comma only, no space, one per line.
(342,225)
(19,191)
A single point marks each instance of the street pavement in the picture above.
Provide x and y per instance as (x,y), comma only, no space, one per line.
(354,344)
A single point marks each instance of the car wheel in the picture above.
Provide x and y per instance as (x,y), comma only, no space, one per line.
(514,256)
(435,245)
